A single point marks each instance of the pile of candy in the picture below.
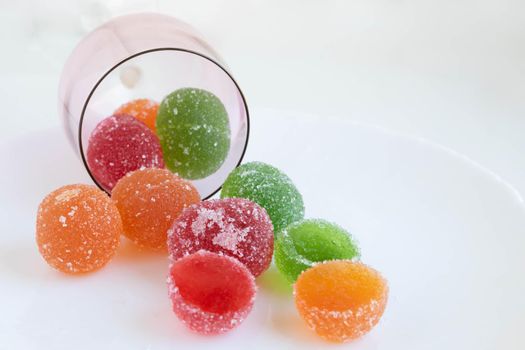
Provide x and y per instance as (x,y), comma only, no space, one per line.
(216,247)
(188,133)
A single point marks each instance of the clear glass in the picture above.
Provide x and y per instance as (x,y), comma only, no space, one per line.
(146,55)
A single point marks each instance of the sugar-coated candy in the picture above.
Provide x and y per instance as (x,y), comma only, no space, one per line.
(341,300)
(268,187)
(142,109)
(118,145)
(210,293)
(148,201)
(235,227)
(77,229)
(194,132)
(306,242)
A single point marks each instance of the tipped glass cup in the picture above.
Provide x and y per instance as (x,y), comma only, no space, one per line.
(146,55)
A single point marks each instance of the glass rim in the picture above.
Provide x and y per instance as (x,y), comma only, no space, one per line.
(109,71)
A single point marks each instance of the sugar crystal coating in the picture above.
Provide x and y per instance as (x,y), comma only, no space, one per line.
(149,200)
(268,187)
(306,242)
(235,227)
(142,109)
(77,229)
(194,131)
(341,300)
(210,293)
(118,145)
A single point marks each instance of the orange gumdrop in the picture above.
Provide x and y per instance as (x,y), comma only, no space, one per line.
(341,300)
(78,228)
(143,109)
(149,200)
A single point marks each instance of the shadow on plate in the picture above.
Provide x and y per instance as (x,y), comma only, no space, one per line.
(128,252)
(273,282)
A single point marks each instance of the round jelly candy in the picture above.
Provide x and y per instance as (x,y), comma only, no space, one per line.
(194,132)
(78,228)
(306,242)
(235,227)
(142,109)
(340,299)
(148,201)
(268,187)
(210,293)
(118,145)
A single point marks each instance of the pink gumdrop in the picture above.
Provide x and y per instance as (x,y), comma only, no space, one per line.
(235,227)
(210,293)
(121,144)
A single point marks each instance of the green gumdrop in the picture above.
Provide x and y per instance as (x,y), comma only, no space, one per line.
(307,242)
(194,132)
(270,188)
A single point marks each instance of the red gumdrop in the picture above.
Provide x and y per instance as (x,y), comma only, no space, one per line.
(235,227)
(210,293)
(121,144)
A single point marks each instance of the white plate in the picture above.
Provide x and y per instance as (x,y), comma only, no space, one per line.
(447,234)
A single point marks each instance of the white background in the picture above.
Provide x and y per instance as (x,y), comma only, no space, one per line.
(447,73)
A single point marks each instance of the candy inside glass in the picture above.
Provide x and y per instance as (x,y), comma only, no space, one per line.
(146,55)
